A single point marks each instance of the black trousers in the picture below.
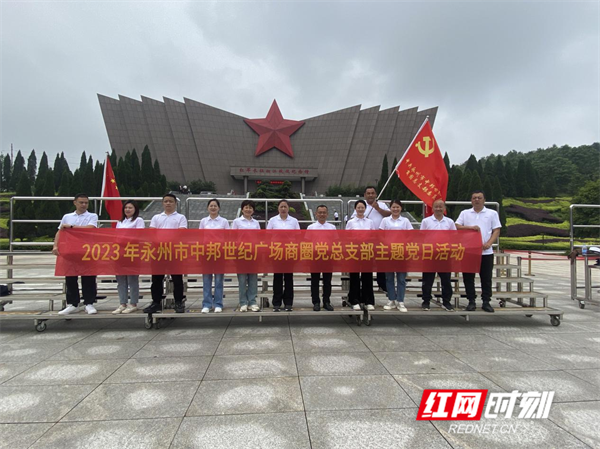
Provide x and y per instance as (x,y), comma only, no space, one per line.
(427,284)
(381,281)
(279,292)
(485,274)
(314,287)
(361,288)
(157,287)
(88,287)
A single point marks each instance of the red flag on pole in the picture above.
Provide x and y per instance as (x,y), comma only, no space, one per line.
(110,189)
(422,167)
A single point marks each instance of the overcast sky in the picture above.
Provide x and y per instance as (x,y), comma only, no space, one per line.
(516,75)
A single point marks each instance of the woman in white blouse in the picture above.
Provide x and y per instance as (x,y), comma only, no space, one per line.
(395,292)
(213,221)
(361,284)
(131,219)
(248,282)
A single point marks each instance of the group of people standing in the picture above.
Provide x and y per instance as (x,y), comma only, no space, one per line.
(369,214)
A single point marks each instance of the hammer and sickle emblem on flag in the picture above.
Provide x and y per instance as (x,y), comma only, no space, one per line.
(426,152)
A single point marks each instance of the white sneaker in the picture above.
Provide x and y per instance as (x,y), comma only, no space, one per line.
(205,310)
(255,308)
(401,307)
(370,307)
(122,308)
(242,309)
(390,305)
(69,309)
(90,309)
(130,309)
(356,307)
(218,310)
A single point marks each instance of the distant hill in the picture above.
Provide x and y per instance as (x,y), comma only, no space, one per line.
(568,167)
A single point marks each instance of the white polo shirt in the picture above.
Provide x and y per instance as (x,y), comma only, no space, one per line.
(321,227)
(433,224)
(401,224)
(138,223)
(214,223)
(373,214)
(242,223)
(278,223)
(486,219)
(360,224)
(75,219)
(173,221)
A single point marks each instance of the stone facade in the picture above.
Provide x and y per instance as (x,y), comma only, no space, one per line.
(192,141)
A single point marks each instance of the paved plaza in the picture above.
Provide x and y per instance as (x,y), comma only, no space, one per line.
(298,381)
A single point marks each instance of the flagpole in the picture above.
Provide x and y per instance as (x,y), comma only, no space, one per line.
(103,184)
(402,158)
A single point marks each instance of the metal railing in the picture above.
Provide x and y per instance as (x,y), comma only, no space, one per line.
(587,272)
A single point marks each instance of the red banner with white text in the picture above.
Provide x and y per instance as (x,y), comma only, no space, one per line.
(87,252)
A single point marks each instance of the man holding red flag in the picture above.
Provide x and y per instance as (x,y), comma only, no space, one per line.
(422,167)
(110,189)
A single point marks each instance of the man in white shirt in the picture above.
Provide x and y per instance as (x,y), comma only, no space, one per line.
(321,225)
(169,219)
(283,221)
(437,222)
(81,218)
(376,211)
(485,221)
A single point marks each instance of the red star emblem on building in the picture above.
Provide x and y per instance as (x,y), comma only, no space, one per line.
(274,131)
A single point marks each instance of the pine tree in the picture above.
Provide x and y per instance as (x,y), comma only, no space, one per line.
(48,210)
(77,185)
(147,170)
(472,164)
(475,184)
(447,162)
(532,179)
(497,188)
(453,184)
(65,190)
(499,170)
(6,173)
(383,176)
(156,171)
(18,168)
(83,162)
(113,159)
(98,173)
(488,190)
(24,210)
(509,188)
(465,186)
(60,165)
(522,185)
(136,171)
(31,167)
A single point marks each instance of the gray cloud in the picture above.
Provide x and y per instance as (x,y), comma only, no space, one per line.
(504,75)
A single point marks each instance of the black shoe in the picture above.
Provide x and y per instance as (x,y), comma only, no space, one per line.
(316,307)
(328,306)
(471,307)
(487,308)
(288,309)
(155,307)
(179,307)
(425,305)
(448,306)
(275,309)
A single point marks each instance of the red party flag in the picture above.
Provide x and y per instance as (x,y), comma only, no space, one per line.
(422,167)
(110,189)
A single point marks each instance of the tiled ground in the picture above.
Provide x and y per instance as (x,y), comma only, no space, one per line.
(296,382)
